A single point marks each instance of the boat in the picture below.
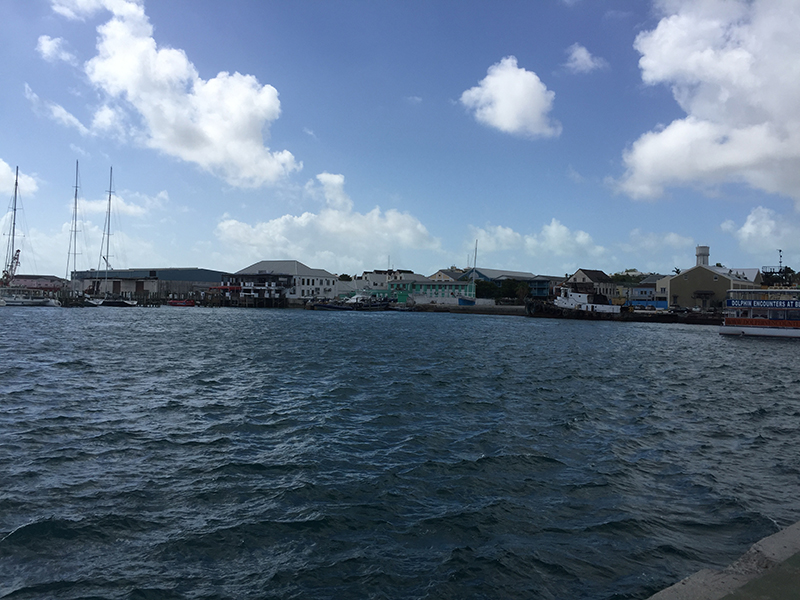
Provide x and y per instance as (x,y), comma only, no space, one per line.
(772,312)
(186,302)
(466,300)
(15,295)
(108,299)
(359,302)
(596,303)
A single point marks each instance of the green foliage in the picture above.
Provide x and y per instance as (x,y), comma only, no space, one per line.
(626,278)
(345,277)
(486,289)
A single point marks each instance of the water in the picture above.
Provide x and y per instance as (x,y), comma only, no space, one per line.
(197,453)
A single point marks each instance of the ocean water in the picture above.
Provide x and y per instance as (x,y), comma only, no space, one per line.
(224,453)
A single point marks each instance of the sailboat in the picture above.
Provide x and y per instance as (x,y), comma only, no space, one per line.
(108,299)
(462,301)
(15,295)
(74,297)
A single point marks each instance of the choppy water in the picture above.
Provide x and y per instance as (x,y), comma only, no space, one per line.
(196,453)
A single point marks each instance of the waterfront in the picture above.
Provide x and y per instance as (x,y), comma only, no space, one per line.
(221,453)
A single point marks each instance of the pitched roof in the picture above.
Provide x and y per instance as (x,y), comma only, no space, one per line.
(283,267)
(596,276)
(451,273)
(499,274)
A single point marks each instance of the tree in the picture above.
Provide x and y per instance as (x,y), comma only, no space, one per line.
(485,289)
(345,277)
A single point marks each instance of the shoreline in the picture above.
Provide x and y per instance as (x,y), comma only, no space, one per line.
(769,570)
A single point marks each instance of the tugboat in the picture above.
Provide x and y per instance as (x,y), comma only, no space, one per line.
(570,304)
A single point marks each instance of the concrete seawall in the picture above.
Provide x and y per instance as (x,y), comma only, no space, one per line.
(770,570)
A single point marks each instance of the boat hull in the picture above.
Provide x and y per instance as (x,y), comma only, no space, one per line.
(180,303)
(116,303)
(22,300)
(745,330)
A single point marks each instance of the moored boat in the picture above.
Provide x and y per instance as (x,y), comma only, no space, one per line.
(11,294)
(773,312)
(185,302)
(109,299)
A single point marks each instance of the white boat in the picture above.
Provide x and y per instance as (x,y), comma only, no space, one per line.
(25,297)
(596,303)
(773,312)
(10,294)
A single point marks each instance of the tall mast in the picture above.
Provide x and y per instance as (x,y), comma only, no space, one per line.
(73,240)
(474,268)
(12,253)
(12,244)
(107,230)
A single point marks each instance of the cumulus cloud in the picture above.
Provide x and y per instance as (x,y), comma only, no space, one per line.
(732,68)
(554,246)
(55,112)
(119,206)
(27,184)
(764,231)
(513,100)
(581,60)
(77,9)
(650,242)
(52,50)
(218,124)
(338,237)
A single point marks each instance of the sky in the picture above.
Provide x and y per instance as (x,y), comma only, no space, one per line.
(353,135)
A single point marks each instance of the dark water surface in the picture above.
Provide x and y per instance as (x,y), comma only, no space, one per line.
(197,453)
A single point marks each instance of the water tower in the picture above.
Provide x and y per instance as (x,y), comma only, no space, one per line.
(702,253)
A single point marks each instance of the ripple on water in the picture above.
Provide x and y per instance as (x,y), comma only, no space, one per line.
(225,453)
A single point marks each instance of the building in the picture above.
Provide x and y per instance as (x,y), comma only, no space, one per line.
(279,283)
(704,286)
(543,286)
(645,293)
(419,289)
(496,276)
(451,274)
(591,281)
(145,285)
(46,283)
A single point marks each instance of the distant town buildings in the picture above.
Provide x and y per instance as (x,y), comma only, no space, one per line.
(292,283)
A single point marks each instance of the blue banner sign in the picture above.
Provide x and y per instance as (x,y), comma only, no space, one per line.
(762,303)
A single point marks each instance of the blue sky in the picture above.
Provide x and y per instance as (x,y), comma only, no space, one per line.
(355,135)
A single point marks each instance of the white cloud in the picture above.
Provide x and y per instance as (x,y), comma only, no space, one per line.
(581,60)
(764,231)
(77,9)
(554,247)
(52,50)
(512,100)
(55,111)
(557,239)
(732,68)
(495,238)
(119,206)
(27,185)
(657,242)
(336,238)
(218,124)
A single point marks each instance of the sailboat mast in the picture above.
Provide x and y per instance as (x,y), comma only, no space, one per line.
(12,244)
(12,254)
(107,231)
(474,268)
(73,240)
